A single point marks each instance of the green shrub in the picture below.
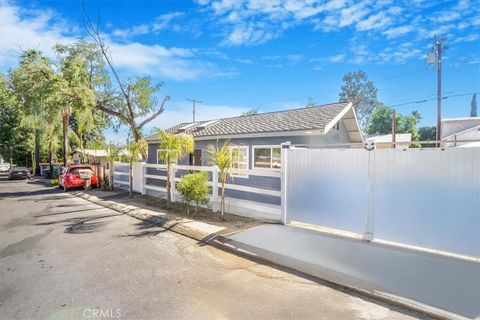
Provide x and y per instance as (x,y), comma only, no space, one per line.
(54,182)
(193,189)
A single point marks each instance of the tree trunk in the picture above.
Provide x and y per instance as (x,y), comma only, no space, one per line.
(66,118)
(221,216)
(169,195)
(137,136)
(110,176)
(195,211)
(50,160)
(37,151)
(130,181)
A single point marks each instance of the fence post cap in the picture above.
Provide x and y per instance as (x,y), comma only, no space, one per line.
(286,145)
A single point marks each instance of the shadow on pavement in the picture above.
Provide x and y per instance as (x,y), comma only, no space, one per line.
(146,229)
(28,193)
(80,224)
(65,212)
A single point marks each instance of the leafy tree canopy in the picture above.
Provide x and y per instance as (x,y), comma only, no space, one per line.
(362,93)
(381,122)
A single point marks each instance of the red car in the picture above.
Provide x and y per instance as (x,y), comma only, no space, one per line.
(70,177)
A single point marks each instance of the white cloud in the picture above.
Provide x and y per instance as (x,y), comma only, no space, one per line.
(375,21)
(337,58)
(23,29)
(397,32)
(162,22)
(468,38)
(446,16)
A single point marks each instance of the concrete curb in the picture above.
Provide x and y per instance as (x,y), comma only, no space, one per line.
(182,226)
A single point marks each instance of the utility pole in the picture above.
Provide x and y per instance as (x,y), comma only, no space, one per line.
(394,129)
(437,53)
(193,102)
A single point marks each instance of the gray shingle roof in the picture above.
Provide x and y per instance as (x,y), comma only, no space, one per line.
(308,118)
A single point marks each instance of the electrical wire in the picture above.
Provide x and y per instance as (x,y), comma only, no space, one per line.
(430,99)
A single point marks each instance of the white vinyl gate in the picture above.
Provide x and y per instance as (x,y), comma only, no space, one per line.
(421,197)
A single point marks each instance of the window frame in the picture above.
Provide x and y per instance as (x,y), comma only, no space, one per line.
(271,147)
(246,147)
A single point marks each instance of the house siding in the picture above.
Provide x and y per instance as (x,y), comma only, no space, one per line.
(333,137)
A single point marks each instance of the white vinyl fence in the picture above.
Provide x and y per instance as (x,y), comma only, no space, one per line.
(421,197)
(428,198)
(249,193)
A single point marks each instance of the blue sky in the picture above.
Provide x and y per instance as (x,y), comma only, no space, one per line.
(270,54)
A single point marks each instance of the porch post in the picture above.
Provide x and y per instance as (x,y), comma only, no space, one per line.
(284,182)
(215,189)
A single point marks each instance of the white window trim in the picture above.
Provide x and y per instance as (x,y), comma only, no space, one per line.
(247,147)
(267,146)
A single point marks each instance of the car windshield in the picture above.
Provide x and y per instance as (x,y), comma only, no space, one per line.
(20,169)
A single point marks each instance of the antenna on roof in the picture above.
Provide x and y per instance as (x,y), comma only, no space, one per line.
(193,102)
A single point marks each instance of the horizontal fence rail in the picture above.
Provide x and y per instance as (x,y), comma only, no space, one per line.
(254,193)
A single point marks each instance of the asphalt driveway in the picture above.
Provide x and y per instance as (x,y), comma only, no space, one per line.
(62,257)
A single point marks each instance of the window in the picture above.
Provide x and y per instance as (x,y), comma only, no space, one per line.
(240,158)
(267,157)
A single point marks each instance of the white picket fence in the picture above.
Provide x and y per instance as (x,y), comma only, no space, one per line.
(145,177)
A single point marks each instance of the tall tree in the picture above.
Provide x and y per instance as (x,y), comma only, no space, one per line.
(362,93)
(172,148)
(15,138)
(74,94)
(428,134)
(32,85)
(381,122)
(473,106)
(135,102)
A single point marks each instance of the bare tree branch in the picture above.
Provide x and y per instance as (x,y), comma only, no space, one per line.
(156,114)
(97,38)
(111,112)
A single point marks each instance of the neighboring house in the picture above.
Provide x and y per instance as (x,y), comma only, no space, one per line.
(93,157)
(456,130)
(258,138)
(384,141)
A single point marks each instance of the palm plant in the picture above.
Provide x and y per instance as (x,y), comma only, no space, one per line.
(135,151)
(172,148)
(223,158)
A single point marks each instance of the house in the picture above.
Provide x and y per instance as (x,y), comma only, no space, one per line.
(93,157)
(461,132)
(258,137)
(384,141)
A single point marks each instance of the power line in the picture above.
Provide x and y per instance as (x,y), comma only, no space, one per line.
(430,99)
